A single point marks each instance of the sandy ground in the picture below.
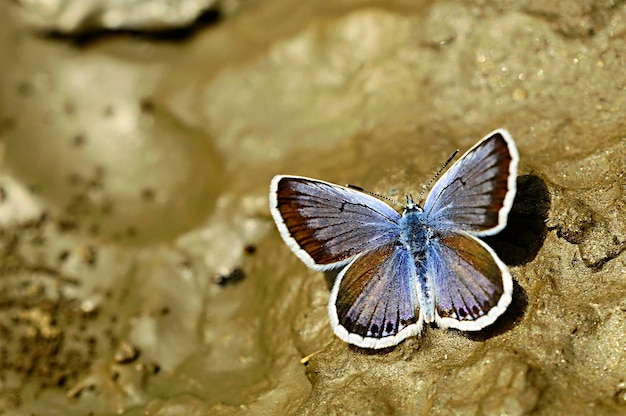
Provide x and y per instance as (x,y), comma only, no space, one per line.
(141,272)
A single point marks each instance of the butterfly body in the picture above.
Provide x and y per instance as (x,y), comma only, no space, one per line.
(415,238)
(400,271)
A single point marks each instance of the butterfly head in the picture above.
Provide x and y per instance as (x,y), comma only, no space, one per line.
(411,205)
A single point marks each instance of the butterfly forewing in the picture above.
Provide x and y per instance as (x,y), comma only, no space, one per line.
(374,301)
(473,286)
(327,225)
(476,193)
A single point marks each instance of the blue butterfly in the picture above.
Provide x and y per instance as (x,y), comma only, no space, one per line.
(401,271)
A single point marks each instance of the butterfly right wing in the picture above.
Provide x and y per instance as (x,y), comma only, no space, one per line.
(327,225)
(476,193)
(374,302)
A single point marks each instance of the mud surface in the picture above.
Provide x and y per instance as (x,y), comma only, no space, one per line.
(141,272)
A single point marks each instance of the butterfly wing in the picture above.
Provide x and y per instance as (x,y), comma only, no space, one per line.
(327,225)
(374,303)
(476,193)
(473,286)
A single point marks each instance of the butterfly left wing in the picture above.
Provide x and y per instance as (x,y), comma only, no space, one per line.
(473,286)
(476,193)
(327,225)
(374,301)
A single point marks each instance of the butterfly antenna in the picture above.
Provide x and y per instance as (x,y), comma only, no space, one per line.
(441,169)
(358,188)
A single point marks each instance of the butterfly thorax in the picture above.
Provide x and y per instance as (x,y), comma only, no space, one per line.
(415,233)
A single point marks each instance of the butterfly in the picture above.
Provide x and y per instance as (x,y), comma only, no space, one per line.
(401,271)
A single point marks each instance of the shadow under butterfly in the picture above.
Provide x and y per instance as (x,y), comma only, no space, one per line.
(430,265)
(518,244)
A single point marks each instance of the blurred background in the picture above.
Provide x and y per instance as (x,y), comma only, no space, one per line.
(140,270)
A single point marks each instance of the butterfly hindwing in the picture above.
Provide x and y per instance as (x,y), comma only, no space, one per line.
(374,302)
(473,286)
(327,225)
(476,193)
